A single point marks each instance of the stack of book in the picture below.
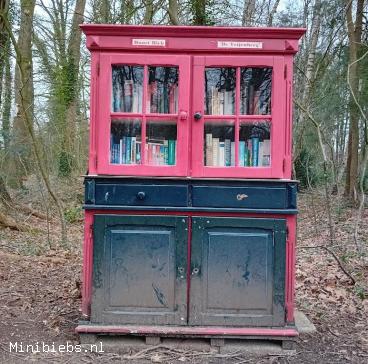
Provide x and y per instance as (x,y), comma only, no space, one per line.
(252,152)
(162,98)
(127,151)
(127,97)
(161,152)
(222,102)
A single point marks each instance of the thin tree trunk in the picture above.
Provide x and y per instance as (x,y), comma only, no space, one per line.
(355,36)
(24,94)
(273,12)
(73,51)
(173,12)
(148,15)
(248,12)
(7,105)
(199,12)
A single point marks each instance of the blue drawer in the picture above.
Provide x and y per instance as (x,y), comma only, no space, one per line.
(262,197)
(141,194)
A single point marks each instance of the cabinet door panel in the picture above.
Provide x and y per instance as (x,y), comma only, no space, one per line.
(137,275)
(238,272)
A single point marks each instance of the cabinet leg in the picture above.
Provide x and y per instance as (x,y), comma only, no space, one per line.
(153,340)
(217,342)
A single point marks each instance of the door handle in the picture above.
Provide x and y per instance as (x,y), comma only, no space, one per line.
(197,116)
(195,271)
(181,271)
(183,115)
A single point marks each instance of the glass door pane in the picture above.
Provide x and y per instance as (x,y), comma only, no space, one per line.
(127,89)
(219,91)
(163,90)
(125,141)
(161,142)
(219,143)
(255,91)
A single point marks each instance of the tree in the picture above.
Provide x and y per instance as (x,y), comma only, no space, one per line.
(355,37)
(24,93)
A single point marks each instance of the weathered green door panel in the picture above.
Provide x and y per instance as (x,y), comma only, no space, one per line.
(238,272)
(139,270)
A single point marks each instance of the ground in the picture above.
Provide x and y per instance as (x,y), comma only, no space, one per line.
(40,291)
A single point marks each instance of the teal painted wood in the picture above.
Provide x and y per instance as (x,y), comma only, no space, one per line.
(238,272)
(139,270)
(142,194)
(240,197)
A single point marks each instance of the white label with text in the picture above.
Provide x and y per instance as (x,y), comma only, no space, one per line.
(235,44)
(149,42)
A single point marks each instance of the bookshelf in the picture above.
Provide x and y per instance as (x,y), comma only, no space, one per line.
(190,209)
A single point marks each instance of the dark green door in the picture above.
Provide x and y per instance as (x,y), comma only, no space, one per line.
(237,272)
(139,270)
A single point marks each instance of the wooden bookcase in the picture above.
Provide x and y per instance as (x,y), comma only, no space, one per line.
(190,210)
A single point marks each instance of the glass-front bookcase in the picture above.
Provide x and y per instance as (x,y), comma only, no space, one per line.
(191,115)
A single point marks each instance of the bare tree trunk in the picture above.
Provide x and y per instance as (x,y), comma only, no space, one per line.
(173,12)
(24,94)
(273,12)
(355,36)
(69,139)
(248,12)
(199,12)
(7,104)
(148,15)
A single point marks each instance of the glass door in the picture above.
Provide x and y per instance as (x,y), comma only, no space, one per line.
(143,115)
(238,127)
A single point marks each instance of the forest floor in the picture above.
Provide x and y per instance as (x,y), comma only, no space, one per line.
(40,289)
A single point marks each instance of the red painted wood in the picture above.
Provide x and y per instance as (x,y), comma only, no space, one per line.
(185,330)
(87,264)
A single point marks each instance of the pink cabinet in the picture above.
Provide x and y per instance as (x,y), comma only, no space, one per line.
(191,101)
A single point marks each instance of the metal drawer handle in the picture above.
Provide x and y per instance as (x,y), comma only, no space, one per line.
(141,195)
(195,271)
(181,270)
(241,196)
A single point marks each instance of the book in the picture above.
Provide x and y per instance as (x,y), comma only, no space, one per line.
(171,152)
(121,151)
(138,152)
(128,141)
(260,154)
(250,156)
(215,151)
(266,157)
(227,156)
(133,150)
(242,159)
(221,154)
(246,157)
(209,150)
(255,148)
(232,154)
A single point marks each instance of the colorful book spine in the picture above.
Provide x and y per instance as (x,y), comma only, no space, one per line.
(215,151)
(138,152)
(128,141)
(172,152)
(246,157)
(255,148)
(222,154)
(209,150)
(242,160)
(232,153)
(227,146)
